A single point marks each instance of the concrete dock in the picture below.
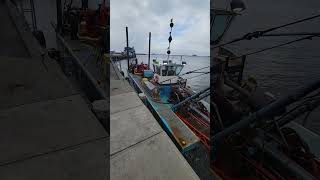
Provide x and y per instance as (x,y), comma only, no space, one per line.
(139,148)
(47,130)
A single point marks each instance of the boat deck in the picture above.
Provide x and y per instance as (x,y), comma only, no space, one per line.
(199,126)
(181,133)
(197,157)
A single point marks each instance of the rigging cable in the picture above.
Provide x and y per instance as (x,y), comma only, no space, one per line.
(198,75)
(292,34)
(189,72)
(257,34)
(276,46)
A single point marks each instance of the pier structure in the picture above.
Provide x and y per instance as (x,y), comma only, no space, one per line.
(48,130)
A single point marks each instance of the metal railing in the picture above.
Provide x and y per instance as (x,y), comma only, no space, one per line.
(87,82)
(30,9)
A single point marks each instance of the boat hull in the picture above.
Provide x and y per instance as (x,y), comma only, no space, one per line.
(181,135)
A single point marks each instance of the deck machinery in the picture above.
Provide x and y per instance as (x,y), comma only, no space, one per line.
(252,133)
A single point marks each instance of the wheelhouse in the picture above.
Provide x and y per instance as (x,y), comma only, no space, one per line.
(168,72)
(167,69)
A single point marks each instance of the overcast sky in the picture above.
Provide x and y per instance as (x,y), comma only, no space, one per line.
(190,33)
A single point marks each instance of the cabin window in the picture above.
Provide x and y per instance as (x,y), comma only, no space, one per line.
(168,70)
(178,70)
(164,70)
(171,71)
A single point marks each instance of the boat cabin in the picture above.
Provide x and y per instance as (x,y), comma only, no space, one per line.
(168,72)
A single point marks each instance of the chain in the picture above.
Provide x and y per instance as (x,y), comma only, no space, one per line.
(170,38)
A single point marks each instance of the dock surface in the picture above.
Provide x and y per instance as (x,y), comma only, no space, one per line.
(140,149)
(47,130)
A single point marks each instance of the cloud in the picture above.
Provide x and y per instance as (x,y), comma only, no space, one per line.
(190,34)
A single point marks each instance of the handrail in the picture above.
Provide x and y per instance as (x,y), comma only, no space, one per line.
(101,94)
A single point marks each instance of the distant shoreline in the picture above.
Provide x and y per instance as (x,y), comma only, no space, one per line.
(173,55)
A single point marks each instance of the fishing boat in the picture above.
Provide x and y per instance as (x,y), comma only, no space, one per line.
(179,109)
(253,135)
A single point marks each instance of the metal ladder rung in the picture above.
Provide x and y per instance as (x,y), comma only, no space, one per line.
(27,10)
(30,10)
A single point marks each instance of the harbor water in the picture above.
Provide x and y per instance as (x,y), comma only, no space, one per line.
(280,69)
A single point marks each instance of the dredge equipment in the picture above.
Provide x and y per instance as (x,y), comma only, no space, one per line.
(253,135)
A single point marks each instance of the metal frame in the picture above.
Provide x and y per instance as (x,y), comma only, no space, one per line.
(213,14)
(87,81)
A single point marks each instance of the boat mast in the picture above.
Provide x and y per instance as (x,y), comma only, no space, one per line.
(127,46)
(149,50)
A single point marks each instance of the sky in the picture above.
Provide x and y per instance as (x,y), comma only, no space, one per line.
(190,34)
